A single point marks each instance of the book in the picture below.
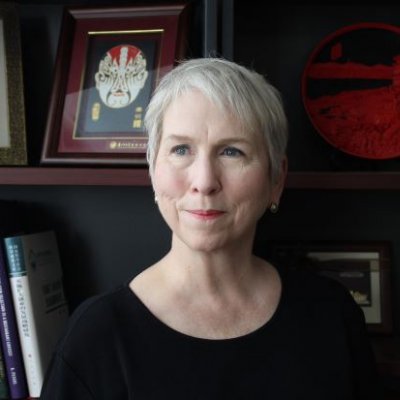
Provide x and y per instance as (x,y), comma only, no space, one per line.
(13,364)
(41,309)
(11,214)
(3,379)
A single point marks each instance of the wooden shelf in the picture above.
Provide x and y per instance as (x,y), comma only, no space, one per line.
(140,177)
(344,180)
(74,176)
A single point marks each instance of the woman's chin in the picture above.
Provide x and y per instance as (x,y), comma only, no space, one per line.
(210,243)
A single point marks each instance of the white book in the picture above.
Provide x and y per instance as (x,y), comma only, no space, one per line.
(40,306)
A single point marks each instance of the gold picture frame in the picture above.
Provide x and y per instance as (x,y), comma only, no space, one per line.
(13,149)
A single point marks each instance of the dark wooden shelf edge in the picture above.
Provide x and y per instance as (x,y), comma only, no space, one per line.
(344,180)
(74,176)
(140,177)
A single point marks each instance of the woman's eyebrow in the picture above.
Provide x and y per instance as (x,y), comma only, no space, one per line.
(224,140)
(178,138)
(234,139)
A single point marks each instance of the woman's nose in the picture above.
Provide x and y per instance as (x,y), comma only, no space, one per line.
(205,176)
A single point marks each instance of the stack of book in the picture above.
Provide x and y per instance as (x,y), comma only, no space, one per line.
(33,309)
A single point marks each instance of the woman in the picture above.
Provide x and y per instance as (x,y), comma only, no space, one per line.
(210,320)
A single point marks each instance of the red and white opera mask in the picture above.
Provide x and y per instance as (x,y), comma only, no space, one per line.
(122,74)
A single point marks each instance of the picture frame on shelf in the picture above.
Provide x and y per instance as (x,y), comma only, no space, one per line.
(362,267)
(13,149)
(109,61)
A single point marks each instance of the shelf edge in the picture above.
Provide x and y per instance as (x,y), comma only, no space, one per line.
(74,176)
(140,177)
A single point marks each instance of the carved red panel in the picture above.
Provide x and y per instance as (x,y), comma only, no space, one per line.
(351,90)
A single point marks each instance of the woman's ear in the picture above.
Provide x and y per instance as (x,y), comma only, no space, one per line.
(279,183)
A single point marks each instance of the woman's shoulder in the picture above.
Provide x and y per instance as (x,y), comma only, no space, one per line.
(310,293)
(99,304)
(88,353)
(94,320)
(312,286)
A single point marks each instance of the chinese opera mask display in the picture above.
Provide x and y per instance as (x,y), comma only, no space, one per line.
(122,74)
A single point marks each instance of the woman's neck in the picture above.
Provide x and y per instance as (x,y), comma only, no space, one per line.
(220,273)
(220,294)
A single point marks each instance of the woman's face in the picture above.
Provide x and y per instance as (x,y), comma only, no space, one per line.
(211,178)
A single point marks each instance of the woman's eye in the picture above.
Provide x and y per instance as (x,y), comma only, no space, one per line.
(180,150)
(232,152)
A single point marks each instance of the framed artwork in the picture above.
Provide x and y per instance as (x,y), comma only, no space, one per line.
(349,90)
(362,267)
(109,61)
(12,110)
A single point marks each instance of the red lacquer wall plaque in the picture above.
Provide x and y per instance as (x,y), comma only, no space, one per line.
(351,90)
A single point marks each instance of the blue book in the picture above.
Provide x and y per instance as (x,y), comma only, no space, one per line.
(9,337)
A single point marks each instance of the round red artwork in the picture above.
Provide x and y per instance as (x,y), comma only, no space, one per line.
(351,90)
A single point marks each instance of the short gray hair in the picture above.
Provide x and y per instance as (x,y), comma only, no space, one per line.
(247,94)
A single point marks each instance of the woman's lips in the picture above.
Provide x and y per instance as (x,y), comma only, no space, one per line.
(206,214)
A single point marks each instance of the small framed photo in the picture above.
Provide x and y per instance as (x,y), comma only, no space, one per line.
(362,267)
(12,109)
(109,61)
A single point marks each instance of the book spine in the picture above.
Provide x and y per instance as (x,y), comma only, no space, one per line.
(13,363)
(3,379)
(21,294)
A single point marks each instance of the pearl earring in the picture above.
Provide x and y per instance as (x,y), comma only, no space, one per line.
(274,208)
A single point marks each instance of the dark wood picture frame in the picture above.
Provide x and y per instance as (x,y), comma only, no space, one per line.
(13,150)
(363,267)
(109,61)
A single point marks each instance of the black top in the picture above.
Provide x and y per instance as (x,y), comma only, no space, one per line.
(315,347)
